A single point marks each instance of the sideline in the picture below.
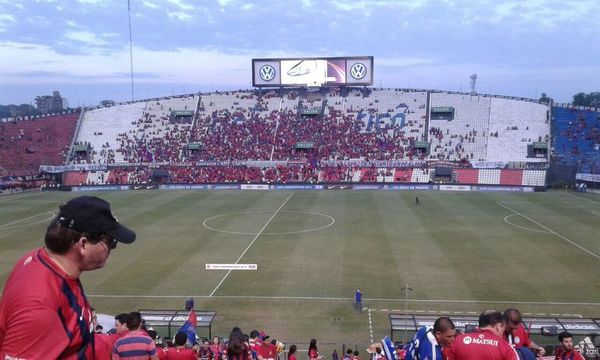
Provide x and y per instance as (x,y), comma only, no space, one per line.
(316,298)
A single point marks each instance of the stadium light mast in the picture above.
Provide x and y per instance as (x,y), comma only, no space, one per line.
(130,49)
(473,84)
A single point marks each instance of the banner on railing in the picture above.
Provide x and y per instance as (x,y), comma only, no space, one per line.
(72,167)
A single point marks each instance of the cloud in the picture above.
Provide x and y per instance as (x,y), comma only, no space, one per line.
(180,15)
(6,21)
(181,4)
(84,37)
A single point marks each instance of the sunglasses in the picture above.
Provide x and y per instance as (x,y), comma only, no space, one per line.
(112,243)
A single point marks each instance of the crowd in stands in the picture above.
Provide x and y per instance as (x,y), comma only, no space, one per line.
(27,144)
(503,336)
(289,125)
(577,138)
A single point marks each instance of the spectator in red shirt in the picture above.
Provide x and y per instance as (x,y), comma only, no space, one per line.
(43,301)
(266,350)
(487,343)
(180,352)
(313,352)
(566,351)
(236,348)
(162,355)
(292,353)
(204,352)
(517,335)
(216,348)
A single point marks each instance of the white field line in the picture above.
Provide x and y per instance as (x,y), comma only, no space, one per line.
(251,243)
(370,326)
(550,231)
(315,298)
(27,218)
(473,313)
(595,213)
(521,227)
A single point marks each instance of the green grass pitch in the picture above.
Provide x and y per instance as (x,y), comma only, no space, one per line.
(458,252)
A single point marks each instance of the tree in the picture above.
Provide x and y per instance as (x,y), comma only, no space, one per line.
(545,99)
(17,110)
(582,99)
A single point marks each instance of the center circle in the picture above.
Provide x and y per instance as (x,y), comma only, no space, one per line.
(330,222)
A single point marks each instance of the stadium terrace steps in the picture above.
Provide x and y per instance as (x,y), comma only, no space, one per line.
(464,136)
(27,144)
(511,177)
(75,178)
(466,176)
(518,124)
(403,175)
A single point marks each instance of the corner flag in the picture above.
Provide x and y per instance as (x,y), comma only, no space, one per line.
(189,327)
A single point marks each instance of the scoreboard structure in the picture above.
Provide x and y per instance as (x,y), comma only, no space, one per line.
(313,72)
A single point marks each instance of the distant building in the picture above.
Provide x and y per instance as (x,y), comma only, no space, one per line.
(51,103)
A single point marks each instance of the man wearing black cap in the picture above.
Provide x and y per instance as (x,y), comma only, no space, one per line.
(44,313)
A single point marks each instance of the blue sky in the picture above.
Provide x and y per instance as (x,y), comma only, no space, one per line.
(81,47)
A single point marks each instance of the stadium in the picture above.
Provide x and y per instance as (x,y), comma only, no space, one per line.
(271,206)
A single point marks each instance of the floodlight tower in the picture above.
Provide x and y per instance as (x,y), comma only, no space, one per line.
(473,84)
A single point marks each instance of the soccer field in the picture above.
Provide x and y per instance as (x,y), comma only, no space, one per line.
(459,253)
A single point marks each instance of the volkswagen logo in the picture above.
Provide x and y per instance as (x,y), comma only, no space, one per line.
(267,72)
(358,71)
(467,340)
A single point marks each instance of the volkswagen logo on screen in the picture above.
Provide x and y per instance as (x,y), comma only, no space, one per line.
(267,72)
(358,71)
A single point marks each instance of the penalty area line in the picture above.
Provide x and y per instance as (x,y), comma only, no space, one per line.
(550,230)
(251,243)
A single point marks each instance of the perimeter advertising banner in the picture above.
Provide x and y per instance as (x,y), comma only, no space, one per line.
(309,72)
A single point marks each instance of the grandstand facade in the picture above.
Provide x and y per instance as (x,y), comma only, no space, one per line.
(325,135)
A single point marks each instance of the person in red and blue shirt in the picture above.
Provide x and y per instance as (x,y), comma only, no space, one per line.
(567,351)
(517,335)
(487,343)
(44,313)
(135,344)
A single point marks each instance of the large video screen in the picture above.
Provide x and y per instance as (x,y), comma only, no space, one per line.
(311,72)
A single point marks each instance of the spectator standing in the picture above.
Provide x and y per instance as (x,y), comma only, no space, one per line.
(180,352)
(135,344)
(103,344)
(236,348)
(358,300)
(313,351)
(216,348)
(43,302)
(292,353)
(349,354)
(517,335)
(486,343)
(428,343)
(162,355)
(204,352)
(566,351)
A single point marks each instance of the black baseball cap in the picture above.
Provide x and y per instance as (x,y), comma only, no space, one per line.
(92,214)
